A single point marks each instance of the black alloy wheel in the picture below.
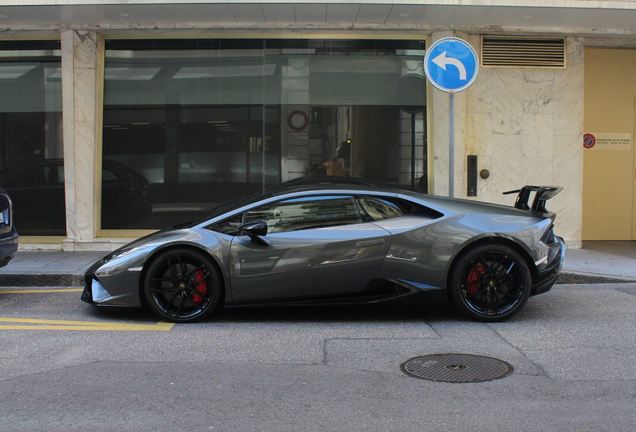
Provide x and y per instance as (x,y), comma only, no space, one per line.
(491,283)
(182,285)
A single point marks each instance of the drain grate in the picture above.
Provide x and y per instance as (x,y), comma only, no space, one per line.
(456,368)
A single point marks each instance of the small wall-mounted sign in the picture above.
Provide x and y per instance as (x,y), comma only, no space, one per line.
(297,135)
(297,120)
(607,141)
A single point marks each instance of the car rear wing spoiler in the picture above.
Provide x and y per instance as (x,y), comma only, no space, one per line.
(543,193)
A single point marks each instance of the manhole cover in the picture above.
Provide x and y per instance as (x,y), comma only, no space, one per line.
(456,368)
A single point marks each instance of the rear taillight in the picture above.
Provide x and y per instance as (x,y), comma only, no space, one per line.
(548,236)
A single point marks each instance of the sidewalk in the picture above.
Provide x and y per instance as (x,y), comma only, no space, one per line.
(597,262)
(605,259)
(48,268)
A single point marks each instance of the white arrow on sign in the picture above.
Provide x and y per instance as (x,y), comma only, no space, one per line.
(441,61)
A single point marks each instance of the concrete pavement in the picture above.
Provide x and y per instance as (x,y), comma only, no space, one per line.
(316,369)
(596,262)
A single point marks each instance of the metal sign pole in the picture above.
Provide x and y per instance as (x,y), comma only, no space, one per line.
(451,65)
(451,144)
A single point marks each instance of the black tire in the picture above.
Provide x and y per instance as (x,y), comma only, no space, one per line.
(182,285)
(490,283)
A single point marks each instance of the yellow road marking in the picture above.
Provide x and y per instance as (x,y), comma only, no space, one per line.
(42,291)
(41,324)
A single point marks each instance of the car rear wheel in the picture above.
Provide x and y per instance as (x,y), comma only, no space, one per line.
(182,285)
(490,283)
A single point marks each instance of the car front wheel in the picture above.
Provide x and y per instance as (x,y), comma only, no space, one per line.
(490,283)
(182,285)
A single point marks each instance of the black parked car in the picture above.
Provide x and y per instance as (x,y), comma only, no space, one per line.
(37,191)
(8,234)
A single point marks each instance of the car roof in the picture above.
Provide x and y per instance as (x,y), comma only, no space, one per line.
(331,188)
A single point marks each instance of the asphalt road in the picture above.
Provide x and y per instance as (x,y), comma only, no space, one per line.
(66,365)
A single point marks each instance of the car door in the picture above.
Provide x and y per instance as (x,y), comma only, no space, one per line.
(320,247)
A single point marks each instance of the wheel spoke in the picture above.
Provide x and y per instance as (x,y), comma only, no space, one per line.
(477,271)
(202,267)
(170,301)
(508,281)
(170,280)
(191,298)
(487,267)
(503,258)
(496,302)
(182,266)
(205,296)
(174,275)
(508,295)
(514,285)
(510,268)
(477,282)
(195,283)
(181,303)
(476,294)
(166,290)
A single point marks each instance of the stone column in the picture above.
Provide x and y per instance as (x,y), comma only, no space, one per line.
(295,145)
(82,78)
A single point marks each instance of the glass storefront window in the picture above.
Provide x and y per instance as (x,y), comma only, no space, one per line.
(31,151)
(203,121)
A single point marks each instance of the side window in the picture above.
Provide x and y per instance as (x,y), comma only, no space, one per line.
(379,209)
(304,213)
(229,226)
(108,176)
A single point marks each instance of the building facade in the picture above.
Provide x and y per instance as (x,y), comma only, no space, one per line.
(118,118)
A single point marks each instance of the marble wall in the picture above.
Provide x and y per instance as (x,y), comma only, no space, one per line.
(525,126)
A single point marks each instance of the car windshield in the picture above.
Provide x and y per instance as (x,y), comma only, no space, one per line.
(226,207)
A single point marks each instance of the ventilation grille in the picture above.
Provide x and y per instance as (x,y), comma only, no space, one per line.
(522,52)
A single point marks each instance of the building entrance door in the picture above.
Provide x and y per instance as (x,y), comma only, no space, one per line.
(609,183)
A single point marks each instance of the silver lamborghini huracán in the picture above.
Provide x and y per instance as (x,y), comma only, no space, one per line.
(340,244)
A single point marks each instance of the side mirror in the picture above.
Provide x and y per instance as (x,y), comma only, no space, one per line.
(256,230)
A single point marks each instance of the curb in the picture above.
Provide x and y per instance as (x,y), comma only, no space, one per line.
(566,278)
(42,279)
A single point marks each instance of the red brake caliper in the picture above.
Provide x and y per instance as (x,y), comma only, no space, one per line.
(201,287)
(473,277)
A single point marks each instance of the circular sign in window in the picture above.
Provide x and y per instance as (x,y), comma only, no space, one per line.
(297,120)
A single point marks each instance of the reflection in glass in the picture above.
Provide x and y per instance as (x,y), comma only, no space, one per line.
(204,121)
(31,169)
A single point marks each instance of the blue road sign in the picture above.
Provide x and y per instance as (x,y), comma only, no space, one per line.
(451,64)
